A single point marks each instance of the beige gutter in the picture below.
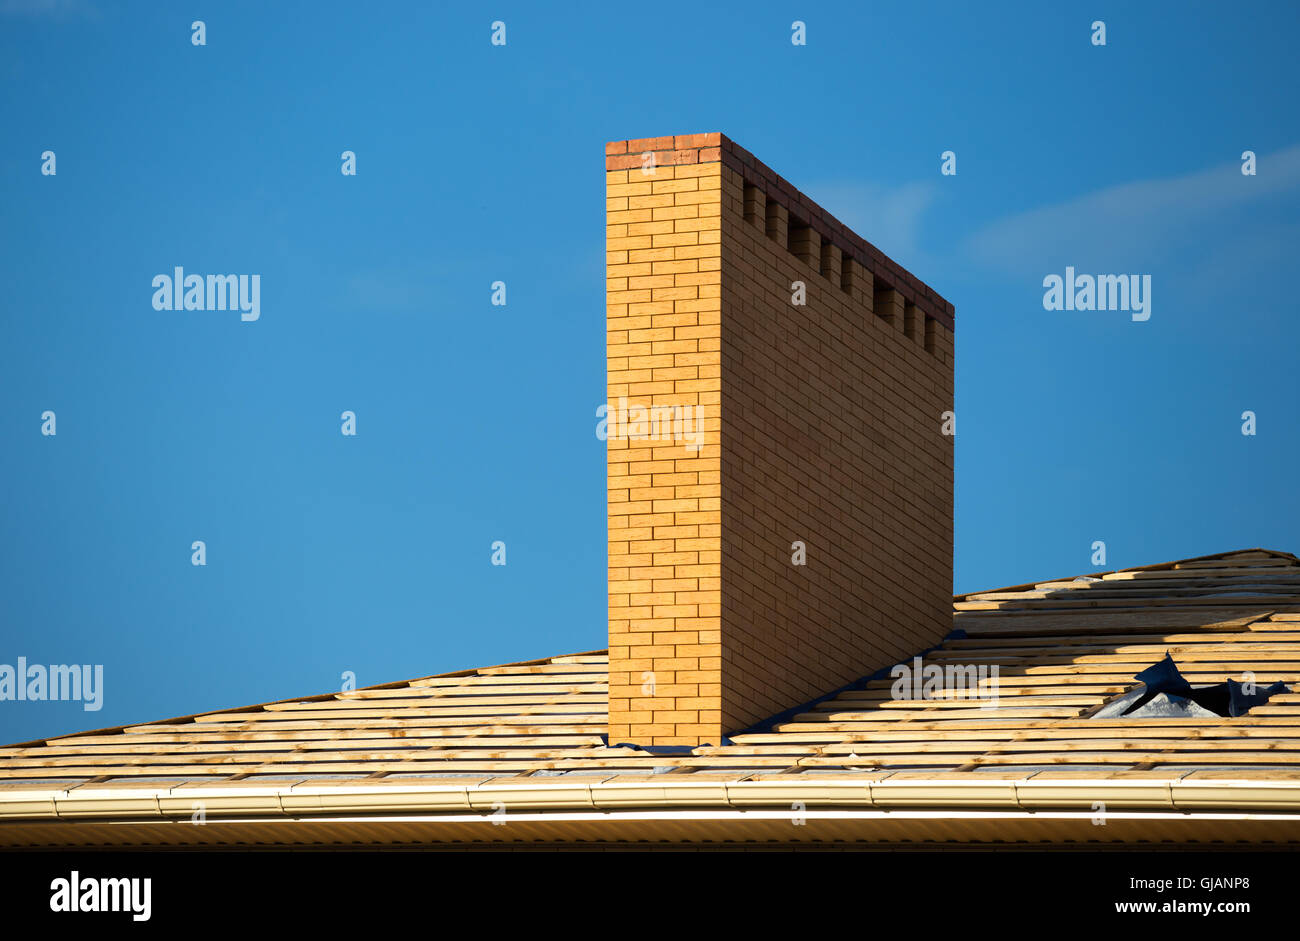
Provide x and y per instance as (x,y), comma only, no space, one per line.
(889,793)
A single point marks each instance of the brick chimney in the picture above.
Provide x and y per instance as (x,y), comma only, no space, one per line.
(748,433)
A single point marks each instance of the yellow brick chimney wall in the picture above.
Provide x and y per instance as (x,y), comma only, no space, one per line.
(664,316)
(822,425)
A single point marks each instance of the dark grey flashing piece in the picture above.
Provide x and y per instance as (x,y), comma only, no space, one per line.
(1163,692)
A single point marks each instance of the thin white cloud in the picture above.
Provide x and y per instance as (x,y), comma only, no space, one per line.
(1145,221)
(887,216)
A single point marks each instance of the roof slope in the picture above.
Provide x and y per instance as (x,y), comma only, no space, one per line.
(529,737)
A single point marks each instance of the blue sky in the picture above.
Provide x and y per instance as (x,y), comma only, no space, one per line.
(476,423)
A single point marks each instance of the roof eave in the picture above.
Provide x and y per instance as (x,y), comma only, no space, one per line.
(1270,810)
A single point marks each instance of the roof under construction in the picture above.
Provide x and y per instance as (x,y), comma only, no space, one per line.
(518,752)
